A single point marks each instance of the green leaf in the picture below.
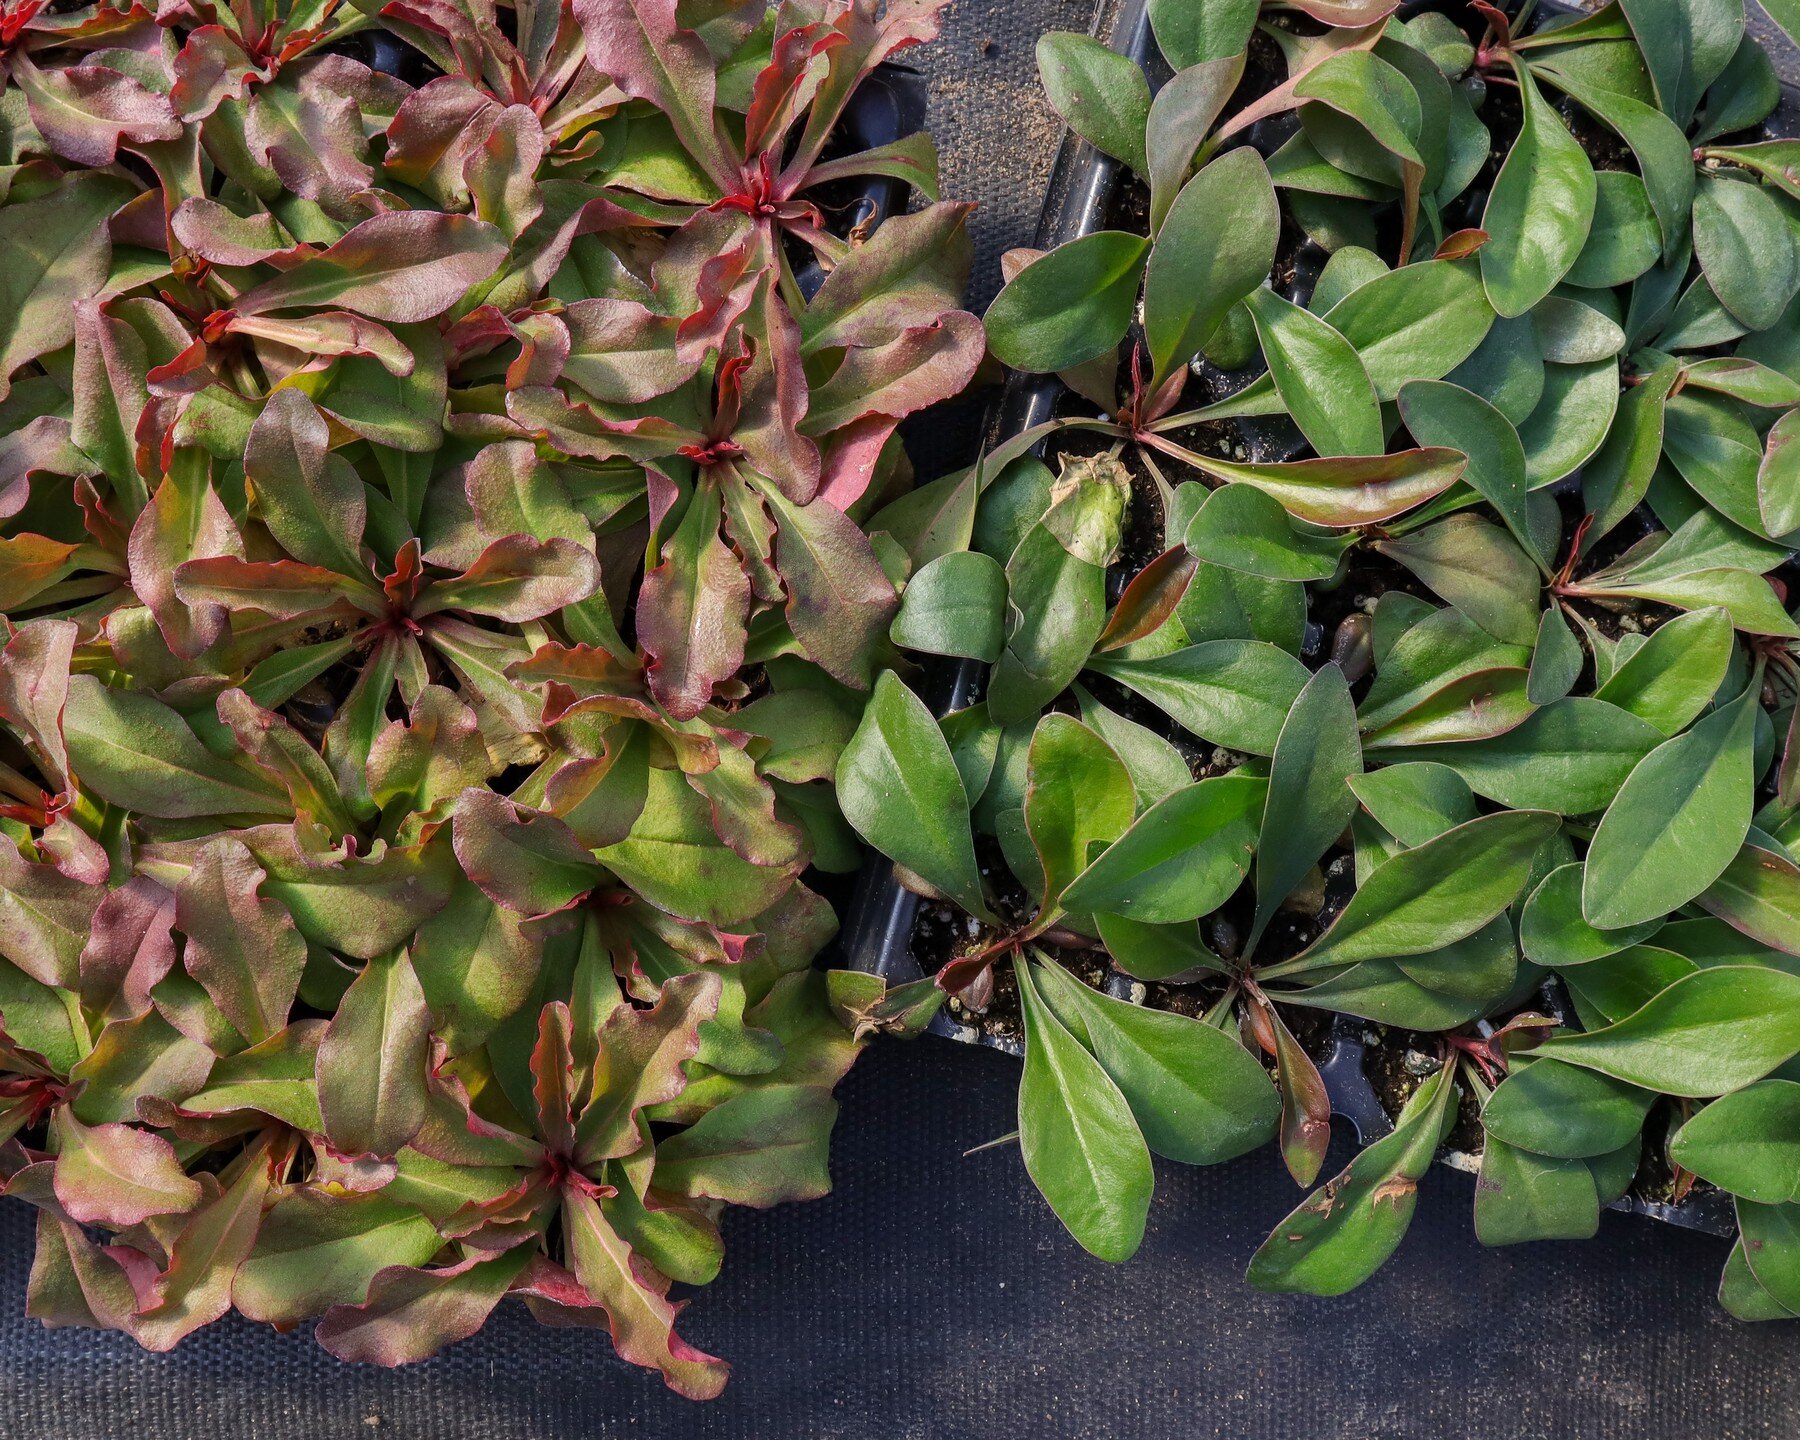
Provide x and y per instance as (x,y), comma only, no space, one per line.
(1778,478)
(1341,1235)
(1570,757)
(1310,800)
(1557,660)
(1747,1142)
(1745,249)
(132,750)
(1539,210)
(1070,306)
(1244,528)
(1235,693)
(1686,44)
(899,787)
(1709,1033)
(373,1061)
(1520,1196)
(1417,802)
(1674,675)
(1479,569)
(1441,414)
(1676,822)
(955,605)
(1424,898)
(1188,34)
(1769,1236)
(1181,859)
(1081,1143)
(1215,246)
(1197,1094)
(761,1147)
(1758,893)
(1625,239)
(1078,794)
(1554,933)
(316,1249)
(1100,93)
(1056,589)
(1319,378)
(1552,1108)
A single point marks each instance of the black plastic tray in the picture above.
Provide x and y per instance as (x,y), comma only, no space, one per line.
(882,914)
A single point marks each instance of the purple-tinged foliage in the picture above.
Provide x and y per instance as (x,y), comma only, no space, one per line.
(423,495)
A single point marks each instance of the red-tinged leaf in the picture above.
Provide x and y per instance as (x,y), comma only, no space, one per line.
(34,687)
(1305,1104)
(587,669)
(642,1059)
(641,46)
(912,265)
(1149,599)
(373,1061)
(284,589)
(743,811)
(850,461)
(195,1290)
(328,334)
(319,1248)
(45,917)
(601,799)
(58,251)
(1350,13)
(761,1147)
(185,521)
(1460,245)
(516,578)
(118,1175)
(623,353)
(553,1079)
(502,171)
(241,946)
(73,1281)
(86,111)
(634,1296)
(44,446)
(578,430)
(692,610)
(273,742)
(208,229)
(28,564)
(411,1314)
(773,407)
(529,862)
(210,68)
(920,367)
(111,384)
(310,133)
(1342,492)
(432,135)
(403,266)
(840,601)
(420,763)
(129,949)
(798,62)
(1282,98)
(311,500)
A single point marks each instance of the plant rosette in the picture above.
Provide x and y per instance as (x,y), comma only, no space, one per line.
(1486,694)
(435,600)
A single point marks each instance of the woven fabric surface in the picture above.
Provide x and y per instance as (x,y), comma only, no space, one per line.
(934,1297)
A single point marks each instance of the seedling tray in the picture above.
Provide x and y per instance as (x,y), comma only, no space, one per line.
(883,915)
